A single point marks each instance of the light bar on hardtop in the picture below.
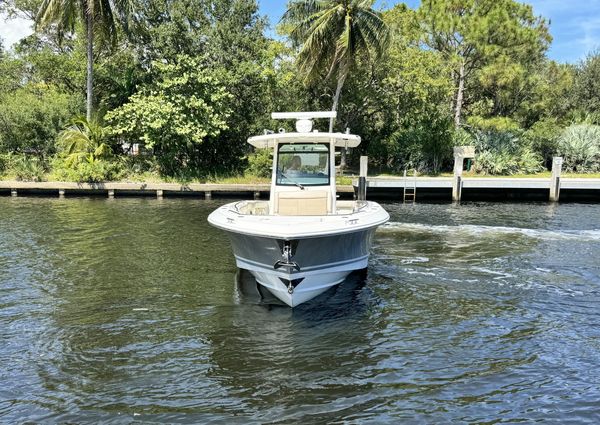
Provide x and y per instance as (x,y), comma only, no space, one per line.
(303,115)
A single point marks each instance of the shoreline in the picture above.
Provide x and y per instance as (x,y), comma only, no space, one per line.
(494,189)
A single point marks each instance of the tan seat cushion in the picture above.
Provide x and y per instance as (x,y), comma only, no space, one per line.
(303,202)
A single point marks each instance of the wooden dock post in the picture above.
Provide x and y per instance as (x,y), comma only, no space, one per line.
(460,153)
(61,193)
(256,195)
(159,194)
(111,193)
(208,195)
(13,193)
(362,179)
(555,179)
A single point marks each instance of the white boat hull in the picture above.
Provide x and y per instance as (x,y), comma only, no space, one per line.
(322,262)
(297,258)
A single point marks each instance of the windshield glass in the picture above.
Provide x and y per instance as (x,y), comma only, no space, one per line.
(303,164)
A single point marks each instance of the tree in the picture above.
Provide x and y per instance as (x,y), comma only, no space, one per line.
(472,34)
(586,91)
(177,115)
(332,35)
(98,16)
(31,117)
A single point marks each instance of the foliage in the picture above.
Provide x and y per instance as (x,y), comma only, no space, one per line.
(176,115)
(587,87)
(542,138)
(579,145)
(493,124)
(423,147)
(26,167)
(494,38)
(333,34)
(90,170)
(99,18)
(31,117)
(503,153)
(84,141)
(193,80)
(462,137)
(260,163)
(407,97)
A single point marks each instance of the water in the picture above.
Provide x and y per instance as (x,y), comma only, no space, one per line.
(128,310)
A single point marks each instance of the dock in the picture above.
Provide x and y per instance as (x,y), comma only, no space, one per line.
(159,190)
(425,188)
(486,188)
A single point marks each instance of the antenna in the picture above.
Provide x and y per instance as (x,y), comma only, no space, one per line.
(303,119)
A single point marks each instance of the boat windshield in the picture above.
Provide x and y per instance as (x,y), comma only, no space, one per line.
(303,164)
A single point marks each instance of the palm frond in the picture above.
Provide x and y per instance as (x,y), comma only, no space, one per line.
(332,33)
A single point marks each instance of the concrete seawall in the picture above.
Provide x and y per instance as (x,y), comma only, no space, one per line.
(112,189)
(486,188)
(427,188)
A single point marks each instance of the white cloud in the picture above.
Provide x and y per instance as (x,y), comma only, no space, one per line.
(14,29)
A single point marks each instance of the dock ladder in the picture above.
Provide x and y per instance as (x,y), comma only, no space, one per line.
(410,187)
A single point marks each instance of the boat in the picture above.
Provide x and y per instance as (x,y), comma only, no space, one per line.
(303,240)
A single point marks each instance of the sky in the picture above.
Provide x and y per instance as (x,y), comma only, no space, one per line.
(574,24)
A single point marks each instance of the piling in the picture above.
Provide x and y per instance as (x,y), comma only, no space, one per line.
(208,195)
(460,154)
(61,193)
(256,195)
(457,180)
(362,179)
(159,194)
(555,179)
(13,193)
(111,193)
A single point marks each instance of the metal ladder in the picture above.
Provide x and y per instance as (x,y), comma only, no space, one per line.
(410,193)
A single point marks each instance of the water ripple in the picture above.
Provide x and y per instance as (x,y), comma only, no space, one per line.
(129,311)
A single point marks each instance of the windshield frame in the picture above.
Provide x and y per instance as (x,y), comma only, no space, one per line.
(280,175)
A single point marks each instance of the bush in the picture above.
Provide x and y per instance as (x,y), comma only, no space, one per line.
(32,117)
(90,171)
(579,145)
(3,163)
(503,153)
(260,163)
(542,138)
(26,168)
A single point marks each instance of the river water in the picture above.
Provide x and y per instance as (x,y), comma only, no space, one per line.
(129,310)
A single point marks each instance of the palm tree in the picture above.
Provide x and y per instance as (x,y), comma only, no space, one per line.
(332,35)
(96,15)
(84,140)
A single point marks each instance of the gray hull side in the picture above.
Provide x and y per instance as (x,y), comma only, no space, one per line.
(310,254)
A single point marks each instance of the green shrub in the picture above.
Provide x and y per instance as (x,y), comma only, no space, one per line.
(27,168)
(3,163)
(579,145)
(462,137)
(503,153)
(260,163)
(542,138)
(137,166)
(31,118)
(89,171)
(494,124)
